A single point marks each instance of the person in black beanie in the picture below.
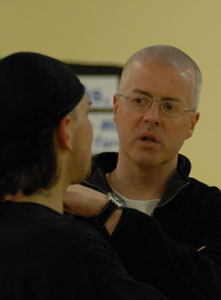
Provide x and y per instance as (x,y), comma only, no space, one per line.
(45,142)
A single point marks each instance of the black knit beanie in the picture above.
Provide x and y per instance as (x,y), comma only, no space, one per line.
(36,91)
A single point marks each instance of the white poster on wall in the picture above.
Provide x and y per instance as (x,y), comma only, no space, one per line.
(105,133)
(100,89)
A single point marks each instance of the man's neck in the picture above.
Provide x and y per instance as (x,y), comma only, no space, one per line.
(138,182)
(52,198)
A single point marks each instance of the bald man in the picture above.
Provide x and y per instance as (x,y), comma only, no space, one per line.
(165,225)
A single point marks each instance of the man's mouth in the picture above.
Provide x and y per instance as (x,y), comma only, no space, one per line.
(145,138)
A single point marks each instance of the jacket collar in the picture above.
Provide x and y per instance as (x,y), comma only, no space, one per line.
(178,180)
(106,162)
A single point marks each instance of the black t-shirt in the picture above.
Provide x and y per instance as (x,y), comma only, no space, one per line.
(46,255)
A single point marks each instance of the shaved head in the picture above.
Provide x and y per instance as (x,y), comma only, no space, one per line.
(163,54)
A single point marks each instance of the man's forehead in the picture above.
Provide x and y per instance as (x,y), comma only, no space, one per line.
(150,66)
(158,79)
(145,62)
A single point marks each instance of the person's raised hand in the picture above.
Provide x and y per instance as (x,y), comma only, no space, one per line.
(83,201)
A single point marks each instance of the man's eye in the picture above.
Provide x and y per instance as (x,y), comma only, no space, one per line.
(139,101)
(172,107)
(169,106)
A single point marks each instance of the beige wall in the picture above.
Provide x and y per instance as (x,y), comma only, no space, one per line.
(109,31)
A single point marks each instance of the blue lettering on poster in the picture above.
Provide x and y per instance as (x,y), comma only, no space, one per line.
(105,143)
(97,97)
(107,125)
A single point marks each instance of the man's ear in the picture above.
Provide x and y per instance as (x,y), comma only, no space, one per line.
(193,124)
(115,107)
(63,134)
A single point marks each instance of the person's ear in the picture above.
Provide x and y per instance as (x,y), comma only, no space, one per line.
(63,134)
(193,123)
(115,107)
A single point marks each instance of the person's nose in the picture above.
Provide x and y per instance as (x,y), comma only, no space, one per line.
(152,114)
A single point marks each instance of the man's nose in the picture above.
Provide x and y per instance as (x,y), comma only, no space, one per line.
(152,114)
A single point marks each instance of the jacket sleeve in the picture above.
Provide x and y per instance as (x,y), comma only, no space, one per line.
(178,270)
(109,277)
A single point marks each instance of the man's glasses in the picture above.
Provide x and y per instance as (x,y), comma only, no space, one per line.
(171,108)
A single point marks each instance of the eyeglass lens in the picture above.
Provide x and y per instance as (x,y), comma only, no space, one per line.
(168,107)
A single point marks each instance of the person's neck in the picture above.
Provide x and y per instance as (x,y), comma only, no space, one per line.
(52,198)
(139,182)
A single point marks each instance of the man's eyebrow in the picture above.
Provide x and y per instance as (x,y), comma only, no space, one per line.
(89,102)
(142,92)
(171,99)
(89,106)
(151,96)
